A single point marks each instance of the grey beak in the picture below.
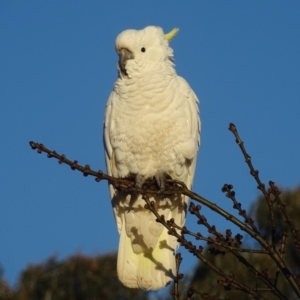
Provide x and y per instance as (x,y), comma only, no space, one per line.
(124,55)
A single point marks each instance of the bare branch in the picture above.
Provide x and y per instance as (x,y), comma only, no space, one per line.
(228,242)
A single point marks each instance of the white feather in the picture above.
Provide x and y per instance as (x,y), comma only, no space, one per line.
(151,124)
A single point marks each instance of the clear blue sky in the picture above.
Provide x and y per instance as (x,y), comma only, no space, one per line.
(57,68)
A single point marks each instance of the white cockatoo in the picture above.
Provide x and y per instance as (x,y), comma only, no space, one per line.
(152,129)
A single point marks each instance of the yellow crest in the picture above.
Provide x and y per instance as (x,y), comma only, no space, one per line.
(169,36)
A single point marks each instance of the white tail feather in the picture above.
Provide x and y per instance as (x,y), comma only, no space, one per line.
(149,270)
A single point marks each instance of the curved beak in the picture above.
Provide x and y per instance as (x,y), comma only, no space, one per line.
(124,55)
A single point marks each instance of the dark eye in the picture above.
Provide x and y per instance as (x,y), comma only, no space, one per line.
(143,49)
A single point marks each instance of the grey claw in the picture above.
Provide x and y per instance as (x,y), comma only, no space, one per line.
(160,178)
(139,181)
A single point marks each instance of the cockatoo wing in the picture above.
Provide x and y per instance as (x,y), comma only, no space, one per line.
(191,111)
(109,154)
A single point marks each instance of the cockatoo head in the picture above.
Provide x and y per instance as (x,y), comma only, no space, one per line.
(143,50)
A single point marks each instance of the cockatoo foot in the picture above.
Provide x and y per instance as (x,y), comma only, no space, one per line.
(139,181)
(161,178)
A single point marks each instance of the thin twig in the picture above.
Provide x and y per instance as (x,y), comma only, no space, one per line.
(236,205)
(281,205)
(282,251)
(175,293)
(254,173)
(211,241)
